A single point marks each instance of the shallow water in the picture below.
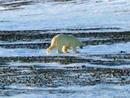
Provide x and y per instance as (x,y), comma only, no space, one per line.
(100,70)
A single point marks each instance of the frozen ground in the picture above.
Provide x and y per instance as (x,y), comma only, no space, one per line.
(100,70)
(39,14)
(89,50)
(97,91)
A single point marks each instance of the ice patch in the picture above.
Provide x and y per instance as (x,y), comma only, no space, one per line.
(87,50)
(96,91)
(52,15)
(21,52)
(106,49)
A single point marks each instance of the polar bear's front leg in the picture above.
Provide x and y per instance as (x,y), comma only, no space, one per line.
(50,48)
(64,49)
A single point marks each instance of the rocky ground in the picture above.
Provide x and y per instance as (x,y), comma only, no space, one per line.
(81,69)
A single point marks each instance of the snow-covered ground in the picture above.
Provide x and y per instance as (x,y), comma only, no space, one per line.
(71,14)
(96,91)
(89,50)
(56,14)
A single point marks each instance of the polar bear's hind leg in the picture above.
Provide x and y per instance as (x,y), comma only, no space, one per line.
(74,49)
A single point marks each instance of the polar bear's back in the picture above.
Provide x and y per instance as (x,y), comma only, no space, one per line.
(58,40)
(69,39)
(74,41)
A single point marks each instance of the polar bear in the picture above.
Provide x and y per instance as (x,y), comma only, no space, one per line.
(64,42)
